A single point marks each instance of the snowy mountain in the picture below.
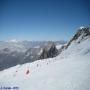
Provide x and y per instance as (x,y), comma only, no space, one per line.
(15,52)
(83,34)
(49,52)
(68,71)
(22,46)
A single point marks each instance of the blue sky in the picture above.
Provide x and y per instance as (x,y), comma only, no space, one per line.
(42,19)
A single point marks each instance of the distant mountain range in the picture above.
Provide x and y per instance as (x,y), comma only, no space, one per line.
(19,52)
(69,69)
(15,52)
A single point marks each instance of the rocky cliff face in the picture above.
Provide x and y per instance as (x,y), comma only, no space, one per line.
(81,33)
(49,52)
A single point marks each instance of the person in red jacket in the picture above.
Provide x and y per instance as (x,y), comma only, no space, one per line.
(27,72)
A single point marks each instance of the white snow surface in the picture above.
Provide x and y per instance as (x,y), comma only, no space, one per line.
(58,46)
(68,71)
(81,27)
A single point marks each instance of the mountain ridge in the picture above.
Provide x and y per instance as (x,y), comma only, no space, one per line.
(67,71)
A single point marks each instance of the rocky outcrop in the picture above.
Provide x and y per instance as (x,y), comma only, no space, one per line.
(49,52)
(85,31)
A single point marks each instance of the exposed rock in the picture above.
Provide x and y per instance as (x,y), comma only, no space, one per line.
(49,52)
(85,31)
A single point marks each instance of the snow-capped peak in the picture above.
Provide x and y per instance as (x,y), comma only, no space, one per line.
(13,40)
(80,35)
(81,27)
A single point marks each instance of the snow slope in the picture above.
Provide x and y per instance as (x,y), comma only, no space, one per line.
(68,71)
(64,72)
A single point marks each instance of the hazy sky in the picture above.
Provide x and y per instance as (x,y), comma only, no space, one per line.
(42,19)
